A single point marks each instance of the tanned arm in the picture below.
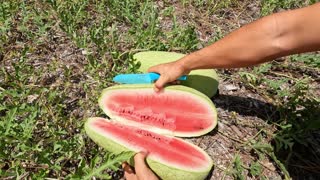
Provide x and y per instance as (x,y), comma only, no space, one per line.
(268,38)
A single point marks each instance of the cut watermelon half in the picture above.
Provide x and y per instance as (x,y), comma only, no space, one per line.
(169,157)
(143,120)
(178,110)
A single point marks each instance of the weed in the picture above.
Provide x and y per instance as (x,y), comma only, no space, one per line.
(297,106)
(256,169)
(312,59)
(111,161)
(270,6)
(238,168)
(208,7)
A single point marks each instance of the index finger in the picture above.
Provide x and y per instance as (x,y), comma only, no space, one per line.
(154,69)
(161,82)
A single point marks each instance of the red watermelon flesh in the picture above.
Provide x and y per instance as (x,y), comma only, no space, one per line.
(176,112)
(164,149)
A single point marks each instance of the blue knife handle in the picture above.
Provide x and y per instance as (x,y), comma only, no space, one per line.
(183,78)
(156,76)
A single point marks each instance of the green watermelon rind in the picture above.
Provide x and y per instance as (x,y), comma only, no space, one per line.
(203,80)
(171,88)
(162,170)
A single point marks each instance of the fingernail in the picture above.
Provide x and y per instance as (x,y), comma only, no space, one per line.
(126,167)
(156,89)
(146,152)
(123,165)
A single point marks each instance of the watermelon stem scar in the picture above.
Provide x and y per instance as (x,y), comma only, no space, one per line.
(142,120)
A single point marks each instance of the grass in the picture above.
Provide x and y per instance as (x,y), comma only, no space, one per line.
(57,56)
(270,6)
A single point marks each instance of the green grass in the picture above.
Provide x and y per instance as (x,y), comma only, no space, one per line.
(57,56)
(271,6)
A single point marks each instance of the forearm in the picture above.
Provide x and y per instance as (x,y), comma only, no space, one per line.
(271,37)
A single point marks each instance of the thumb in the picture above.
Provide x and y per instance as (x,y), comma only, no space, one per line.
(142,170)
(140,164)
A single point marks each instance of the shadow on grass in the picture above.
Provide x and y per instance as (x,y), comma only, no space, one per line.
(303,161)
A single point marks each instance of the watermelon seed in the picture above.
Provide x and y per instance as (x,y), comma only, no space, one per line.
(147,116)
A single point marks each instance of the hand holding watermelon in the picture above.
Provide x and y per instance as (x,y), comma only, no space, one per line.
(141,172)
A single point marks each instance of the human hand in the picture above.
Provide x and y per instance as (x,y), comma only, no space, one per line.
(141,170)
(169,72)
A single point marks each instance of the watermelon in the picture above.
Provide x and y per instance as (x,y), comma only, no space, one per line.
(170,158)
(203,80)
(143,120)
(178,111)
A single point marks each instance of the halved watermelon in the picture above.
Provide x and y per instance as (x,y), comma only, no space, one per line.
(143,120)
(169,157)
(178,110)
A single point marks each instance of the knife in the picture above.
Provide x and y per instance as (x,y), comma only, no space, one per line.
(139,78)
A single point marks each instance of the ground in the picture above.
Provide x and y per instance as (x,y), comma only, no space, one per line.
(57,56)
